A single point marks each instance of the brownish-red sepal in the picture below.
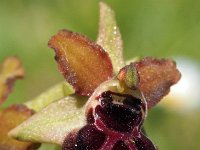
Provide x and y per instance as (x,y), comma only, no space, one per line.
(83,63)
(10,70)
(10,118)
(156,78)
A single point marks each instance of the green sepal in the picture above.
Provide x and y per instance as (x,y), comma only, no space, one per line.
(109,37)
(53,123)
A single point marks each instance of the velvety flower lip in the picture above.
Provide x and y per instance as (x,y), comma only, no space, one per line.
(114,123)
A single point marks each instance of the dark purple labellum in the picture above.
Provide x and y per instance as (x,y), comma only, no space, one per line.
(143,143)
(90,117)
(114,123)
(89,138)
(120,145)
(121,115)
(69,141)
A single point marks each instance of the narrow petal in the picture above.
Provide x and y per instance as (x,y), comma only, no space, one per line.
(83,63)
(109,36)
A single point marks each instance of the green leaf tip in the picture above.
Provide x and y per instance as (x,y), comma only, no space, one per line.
(56,92)
(54,122)
(109,36)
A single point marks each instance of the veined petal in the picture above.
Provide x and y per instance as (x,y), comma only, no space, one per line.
(83,63)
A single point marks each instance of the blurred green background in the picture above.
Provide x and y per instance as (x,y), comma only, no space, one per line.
(161,28)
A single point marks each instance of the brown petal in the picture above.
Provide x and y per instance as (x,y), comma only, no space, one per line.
(10,70)
(155,77)
(10,118)
(83,63)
